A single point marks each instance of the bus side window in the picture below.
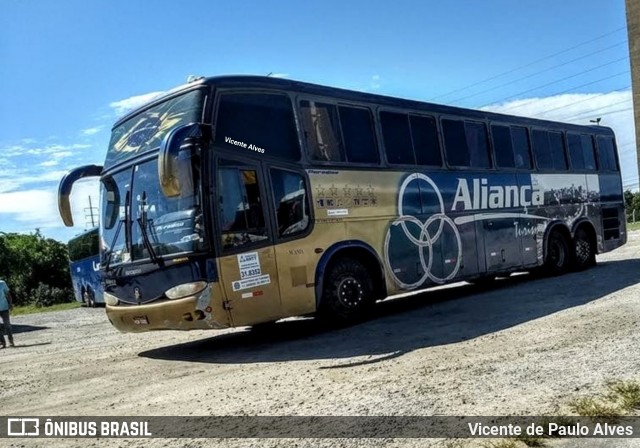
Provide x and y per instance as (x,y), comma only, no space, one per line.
(396,136)
(558,153)
(257,123)
(466,143)
(576,153)
(240,207)
(607,153)
(426,146)
(503,146)
(322,131)
(357,132)
(291,202)
(589,151)
(521,147)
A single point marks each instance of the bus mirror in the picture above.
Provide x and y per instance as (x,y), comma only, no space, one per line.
(174,160)
(66,184)
(111,203)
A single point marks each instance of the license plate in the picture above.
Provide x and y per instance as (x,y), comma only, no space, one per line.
(141,320)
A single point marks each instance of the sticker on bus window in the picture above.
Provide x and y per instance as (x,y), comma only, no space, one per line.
(251,282)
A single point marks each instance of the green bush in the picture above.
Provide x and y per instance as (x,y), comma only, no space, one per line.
(45,295)
(35,268)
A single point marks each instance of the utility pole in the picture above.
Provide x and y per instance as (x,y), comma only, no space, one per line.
(89,215)
(633,30)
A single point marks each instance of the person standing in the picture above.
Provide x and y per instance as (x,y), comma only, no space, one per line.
(6,305)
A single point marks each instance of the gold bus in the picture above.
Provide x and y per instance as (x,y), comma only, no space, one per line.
(240,200)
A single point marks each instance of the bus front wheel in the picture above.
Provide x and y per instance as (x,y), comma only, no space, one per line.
(558,258)
(348,294)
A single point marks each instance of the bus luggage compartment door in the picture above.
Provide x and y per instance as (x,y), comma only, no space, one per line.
(501,246)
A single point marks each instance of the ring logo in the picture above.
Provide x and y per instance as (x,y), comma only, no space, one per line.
(407,235)
(23,427)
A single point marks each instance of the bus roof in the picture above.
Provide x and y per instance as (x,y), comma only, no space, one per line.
(266,82)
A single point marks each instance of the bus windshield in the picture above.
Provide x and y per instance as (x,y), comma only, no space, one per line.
(139,222)
(84,245)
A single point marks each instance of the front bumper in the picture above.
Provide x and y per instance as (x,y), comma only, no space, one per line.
(180,314)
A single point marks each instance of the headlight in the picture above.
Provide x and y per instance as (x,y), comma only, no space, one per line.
(186,289)
(110,299)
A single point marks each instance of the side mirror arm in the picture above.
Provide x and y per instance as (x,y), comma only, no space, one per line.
(66,184)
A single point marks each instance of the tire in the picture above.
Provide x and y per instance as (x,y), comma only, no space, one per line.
(348,293)
(584,252)
(91,300)
(559,257)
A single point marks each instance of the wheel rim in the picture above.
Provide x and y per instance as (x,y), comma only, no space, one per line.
(350,292)
(583,250)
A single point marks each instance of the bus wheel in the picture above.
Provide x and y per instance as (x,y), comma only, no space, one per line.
(558,255)
(348,294)
(90,298)
(584,252)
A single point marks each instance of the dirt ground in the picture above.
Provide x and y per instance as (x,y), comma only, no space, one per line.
(525,346)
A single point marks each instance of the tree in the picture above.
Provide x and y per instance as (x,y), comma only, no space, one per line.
(32,263)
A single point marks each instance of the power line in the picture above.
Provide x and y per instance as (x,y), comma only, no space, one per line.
(563,79)
(561,92)
(529,64)
(599,111)
(537,73)
(589,98)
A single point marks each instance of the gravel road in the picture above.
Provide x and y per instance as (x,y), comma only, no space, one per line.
(525,346)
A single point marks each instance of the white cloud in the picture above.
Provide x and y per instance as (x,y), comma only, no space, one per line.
(15,180)
(51,149)
(614,108)
(91,131)
(49,163)
(37,208)
(123,106)
(279,75)
(61,154)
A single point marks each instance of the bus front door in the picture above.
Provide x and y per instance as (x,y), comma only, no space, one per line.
(251,290)
(248,269)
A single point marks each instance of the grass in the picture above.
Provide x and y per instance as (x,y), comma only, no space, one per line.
(505,443)
(621,398)
(633,226)
(626,394)
(596,407)
(31,309)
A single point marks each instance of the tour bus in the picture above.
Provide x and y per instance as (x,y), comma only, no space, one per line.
(84,265)
(241,200)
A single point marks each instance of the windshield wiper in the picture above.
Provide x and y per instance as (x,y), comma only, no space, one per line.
(113,241)
(142,222)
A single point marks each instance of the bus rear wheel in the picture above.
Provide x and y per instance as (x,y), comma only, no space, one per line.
(348,294)
(583,249)
(558,258)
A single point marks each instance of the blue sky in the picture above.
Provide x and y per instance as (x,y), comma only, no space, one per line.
(69,68)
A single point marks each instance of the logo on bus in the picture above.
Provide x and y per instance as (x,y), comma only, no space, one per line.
(408,235)
(483,196)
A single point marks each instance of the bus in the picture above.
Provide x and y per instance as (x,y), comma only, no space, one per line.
(84,266)
(240,200)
